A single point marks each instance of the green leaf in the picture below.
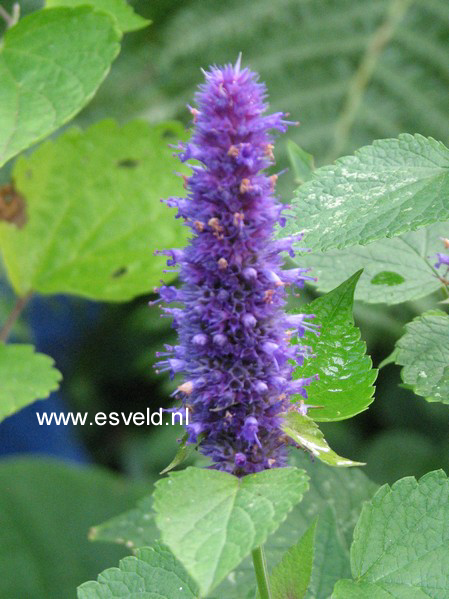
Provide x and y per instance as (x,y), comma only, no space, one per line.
(123,13)
(331,556)
(395,270)
(134,528)
(401,542)
(25,376)
(211,520)
(391,187)
(391,359)
(304,431)
(302,162)
(336,496)
(154,573)
(51,64)
(424,354)
(184,451)
(291,577)
(46,508)
(345,386)
(94,212)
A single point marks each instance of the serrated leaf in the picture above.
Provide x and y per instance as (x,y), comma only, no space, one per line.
(401,542)
(24,377)
(94,212)
(154,573)
(391,187)
(394,270)
(304,431)
(123,13)
(46,509)
(51,64)
(345,386)
(302,162)
(291,577)
(135,528)
(336,496)
(211,520)
(423,352)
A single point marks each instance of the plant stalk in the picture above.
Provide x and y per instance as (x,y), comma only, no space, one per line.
(261,571)
(11,19)
(15,313)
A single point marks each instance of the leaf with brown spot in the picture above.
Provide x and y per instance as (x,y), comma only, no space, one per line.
(12,205)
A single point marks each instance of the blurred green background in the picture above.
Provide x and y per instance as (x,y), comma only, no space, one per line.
(350,71)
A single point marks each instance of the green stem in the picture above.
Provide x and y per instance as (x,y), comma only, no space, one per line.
(261,571)
(364,73)
(11,19)
(16,312)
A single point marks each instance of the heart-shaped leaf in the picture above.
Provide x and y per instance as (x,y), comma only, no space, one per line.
(94,212)
(51,64)
(211,520)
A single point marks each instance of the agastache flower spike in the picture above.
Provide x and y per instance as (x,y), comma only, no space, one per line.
(234,348)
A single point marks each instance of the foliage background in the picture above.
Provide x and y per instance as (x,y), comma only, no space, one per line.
(350,71)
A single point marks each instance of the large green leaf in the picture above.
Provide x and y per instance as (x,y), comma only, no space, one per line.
(154,573)
(345,386)
(51,64)
(335,496)
(304,431)
(391,187)
(401,543)
(424,354)
(134,528)
(125,16)
(291,577)
(94,212)
(25,376)
(394,270)
(211,520)
(46,509)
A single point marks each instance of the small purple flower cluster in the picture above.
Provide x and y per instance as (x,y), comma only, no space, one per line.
(443,258)
(234,335)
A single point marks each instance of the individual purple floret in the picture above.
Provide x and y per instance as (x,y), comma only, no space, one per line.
(234,336)
(442,259)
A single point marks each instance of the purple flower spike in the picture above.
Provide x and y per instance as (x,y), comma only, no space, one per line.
(234,348)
